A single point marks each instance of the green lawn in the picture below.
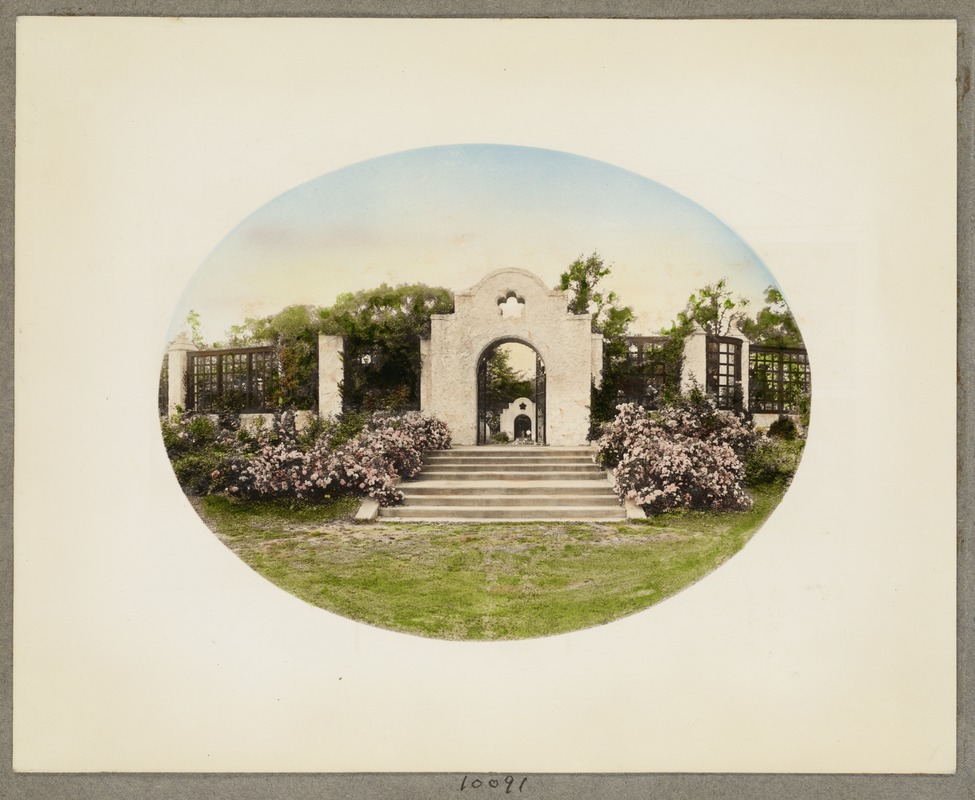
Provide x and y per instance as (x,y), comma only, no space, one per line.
(491,581)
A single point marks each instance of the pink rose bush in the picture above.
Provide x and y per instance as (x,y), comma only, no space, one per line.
(277,461)
(687,455)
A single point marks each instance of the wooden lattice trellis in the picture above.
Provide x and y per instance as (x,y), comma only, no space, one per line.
(650,369)
(777,378)
(230,380)
(723,369)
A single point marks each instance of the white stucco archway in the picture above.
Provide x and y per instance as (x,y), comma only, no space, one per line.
(511,305)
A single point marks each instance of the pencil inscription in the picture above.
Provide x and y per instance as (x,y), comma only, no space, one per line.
(508,784)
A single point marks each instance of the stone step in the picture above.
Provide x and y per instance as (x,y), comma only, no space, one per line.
(512,452)
(520,483)
(505,466)
(502,459)
(526,449)
(501,488)
(522,513)
(506,500)
(509,475)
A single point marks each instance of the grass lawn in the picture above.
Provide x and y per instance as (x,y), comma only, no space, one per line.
(469,581)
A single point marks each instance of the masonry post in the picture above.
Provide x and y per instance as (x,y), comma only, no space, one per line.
(330,375)
(597,360)
(178,361)
(426,377)
(695,359)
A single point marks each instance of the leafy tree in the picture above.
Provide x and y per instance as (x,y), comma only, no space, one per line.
(396,315)
(296,336)
(713,307)
(293,332)
(504,382)
(774,325)
(583,281)
(193,320)
(293,322)
(382,329)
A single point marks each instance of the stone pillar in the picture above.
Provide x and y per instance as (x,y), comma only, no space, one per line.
(330,375)
(597,360)
(426,376)
(695,359)
(178,361)
(745,359)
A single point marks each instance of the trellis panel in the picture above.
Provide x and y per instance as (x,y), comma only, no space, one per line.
(651,373)
(724,370)
(778,378)
(230,380)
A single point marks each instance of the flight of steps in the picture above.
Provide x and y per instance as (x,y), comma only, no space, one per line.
(516,483)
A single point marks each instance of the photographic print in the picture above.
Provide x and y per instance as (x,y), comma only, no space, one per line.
(482,396)
(569,440)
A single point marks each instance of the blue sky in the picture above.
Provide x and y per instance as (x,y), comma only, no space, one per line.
(449,215)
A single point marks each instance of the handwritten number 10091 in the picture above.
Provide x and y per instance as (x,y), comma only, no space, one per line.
(507,783)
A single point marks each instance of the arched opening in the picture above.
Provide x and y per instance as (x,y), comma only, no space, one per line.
(509,369)
(523,427)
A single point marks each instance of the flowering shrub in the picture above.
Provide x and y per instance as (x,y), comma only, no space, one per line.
(697,415)
(275,462)
(665,474)
(197,448)
(631,425)
(271,463)
(687,455)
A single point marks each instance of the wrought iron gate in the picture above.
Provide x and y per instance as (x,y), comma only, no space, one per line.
(483,433)
(485,412)
(539,400)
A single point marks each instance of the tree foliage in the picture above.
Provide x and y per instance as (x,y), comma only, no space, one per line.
(293,332)
(504,383)
(623,379)
(382,328)
(195,324)
(714,307)
(773,325)
(583,281)
(397,315)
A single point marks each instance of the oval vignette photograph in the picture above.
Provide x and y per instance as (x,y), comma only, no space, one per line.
(484,392)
